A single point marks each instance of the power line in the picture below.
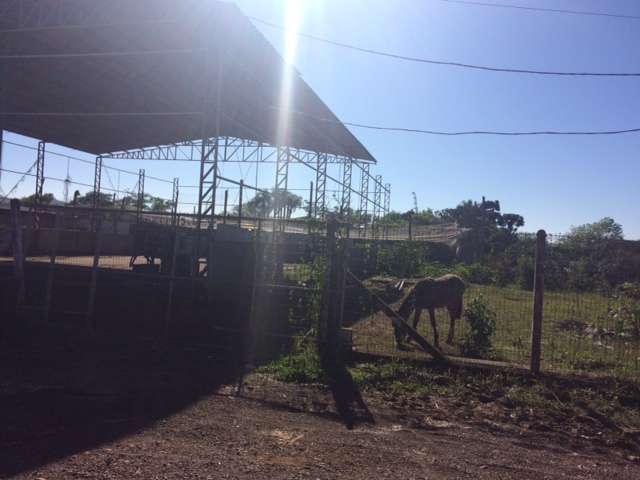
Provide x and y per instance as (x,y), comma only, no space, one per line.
(444,133)
(447,63)
(541,9)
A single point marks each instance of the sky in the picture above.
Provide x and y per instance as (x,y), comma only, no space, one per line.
(554,182)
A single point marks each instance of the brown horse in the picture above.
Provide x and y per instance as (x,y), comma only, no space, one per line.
(431,293)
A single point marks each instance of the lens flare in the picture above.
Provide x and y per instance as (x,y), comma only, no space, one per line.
(292,22)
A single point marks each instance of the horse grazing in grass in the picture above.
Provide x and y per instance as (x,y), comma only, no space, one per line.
(431,293)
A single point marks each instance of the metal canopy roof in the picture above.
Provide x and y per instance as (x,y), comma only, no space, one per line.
(149,72)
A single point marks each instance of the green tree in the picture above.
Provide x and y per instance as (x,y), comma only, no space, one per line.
(105,200)
(46,199)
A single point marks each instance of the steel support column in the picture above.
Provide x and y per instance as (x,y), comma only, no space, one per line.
(97,182)
(174,200)
(347,171)
(377,198)
(320,202)
(39,174)
(140,202)
(387,198)
(208,180)
(364,192)
(282,182)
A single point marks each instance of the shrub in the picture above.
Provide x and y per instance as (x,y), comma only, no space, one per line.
(478,273)
(482,324)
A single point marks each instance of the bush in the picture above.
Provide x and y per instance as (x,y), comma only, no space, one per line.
(482,325)
(477,273)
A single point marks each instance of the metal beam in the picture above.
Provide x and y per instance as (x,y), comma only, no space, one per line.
(97,182)
(387,198)
(39,173)
(377,198)
(347,171)
(320,202)
(174,200)
(209,152)
(140,203)
(364,192)
(282,181)
(240,151)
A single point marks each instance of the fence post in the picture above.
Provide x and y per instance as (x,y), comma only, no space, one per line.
(331,313)
(224,213)
(538,302)
(18,251)
(249,353)
(94,274)
(240,203)
(172,278)
(410,226)
(52,264)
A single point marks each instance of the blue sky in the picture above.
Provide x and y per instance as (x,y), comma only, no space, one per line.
(554,182)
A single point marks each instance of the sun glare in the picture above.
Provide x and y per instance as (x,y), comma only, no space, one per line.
(293,13)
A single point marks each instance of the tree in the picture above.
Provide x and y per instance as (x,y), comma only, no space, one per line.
(46,199)
(105,200)
(604,229)
(490,231)
(264,202)
(259,206)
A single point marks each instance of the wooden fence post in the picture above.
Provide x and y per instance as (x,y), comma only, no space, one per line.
(52,264)
(240,203)
(18,251)
(538,302)
(172,279)
(224,212)
(94,273)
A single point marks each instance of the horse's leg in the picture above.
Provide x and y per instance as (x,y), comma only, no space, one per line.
(432,317)
(452,326)
(416,318)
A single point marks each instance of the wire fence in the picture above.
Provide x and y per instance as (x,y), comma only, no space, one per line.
(262,287)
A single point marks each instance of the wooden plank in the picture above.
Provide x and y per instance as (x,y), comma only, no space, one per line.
(399,322)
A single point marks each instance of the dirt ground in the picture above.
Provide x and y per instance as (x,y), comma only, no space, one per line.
(159,415)
(226,437)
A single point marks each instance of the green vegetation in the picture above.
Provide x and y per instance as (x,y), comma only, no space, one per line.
(302,365)
(482,325)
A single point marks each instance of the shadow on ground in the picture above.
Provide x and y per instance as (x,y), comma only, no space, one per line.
(63,396)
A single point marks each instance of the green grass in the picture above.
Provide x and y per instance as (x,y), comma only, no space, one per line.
(578,334)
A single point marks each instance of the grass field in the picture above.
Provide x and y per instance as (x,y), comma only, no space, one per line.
(578,332)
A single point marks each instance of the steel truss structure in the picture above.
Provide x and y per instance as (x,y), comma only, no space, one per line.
(210,152)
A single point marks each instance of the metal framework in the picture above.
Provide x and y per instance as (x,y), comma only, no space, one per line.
(377,198)
(347,171)
(175,196)
(140,202)
(364,192)
(282,182)
(39,174)
(209,152)
(387,197)
(237,150)
(97,181)
(320,201)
